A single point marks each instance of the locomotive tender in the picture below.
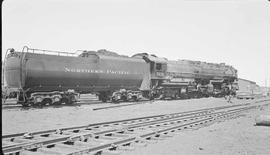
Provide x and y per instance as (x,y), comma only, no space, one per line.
(53,77)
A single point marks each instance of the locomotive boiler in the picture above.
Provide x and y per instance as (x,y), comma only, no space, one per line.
(191,79)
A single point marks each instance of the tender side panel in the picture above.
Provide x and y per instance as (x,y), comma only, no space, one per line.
(124,72)
(48,73)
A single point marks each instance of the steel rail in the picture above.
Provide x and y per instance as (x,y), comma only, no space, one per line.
(17,147)
(64,138)
(118,121)
(79,103)
(146,135)
(122,105)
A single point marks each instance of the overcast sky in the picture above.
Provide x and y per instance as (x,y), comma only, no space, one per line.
(236,32)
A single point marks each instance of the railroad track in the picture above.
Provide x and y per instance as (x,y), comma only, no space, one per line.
(117,135)
(79,103)
(85,102)
(143,102)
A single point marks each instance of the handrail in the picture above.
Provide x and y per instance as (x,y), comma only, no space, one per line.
(50,52)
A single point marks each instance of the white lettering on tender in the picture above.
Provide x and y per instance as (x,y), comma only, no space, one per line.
(67,69)
(108,71)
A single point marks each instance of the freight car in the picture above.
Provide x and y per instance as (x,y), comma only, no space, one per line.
(53,77)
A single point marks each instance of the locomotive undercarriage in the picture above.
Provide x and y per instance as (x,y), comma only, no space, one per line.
(160,90)
(198,89)
(121,95)
(27,98)
(178,93)
(46,98)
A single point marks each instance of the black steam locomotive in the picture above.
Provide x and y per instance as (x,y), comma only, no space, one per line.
(53,77)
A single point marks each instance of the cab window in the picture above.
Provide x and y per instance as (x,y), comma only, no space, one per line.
(158,66)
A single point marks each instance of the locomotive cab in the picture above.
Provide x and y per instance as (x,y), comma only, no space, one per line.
(158,66)
(158,71)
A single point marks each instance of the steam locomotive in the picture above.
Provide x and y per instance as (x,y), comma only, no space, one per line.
(42,77)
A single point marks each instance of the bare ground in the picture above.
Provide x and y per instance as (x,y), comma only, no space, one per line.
(27,120)
(237,136)
(233,137)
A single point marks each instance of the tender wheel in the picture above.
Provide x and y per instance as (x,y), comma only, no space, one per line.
(124,98)
(47,101)
(115,101)
(56,100)
(104,100)
(38,101)
(103,97)
(135,98)
(65,100)
(161,97)
(38,104)
(26,104)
